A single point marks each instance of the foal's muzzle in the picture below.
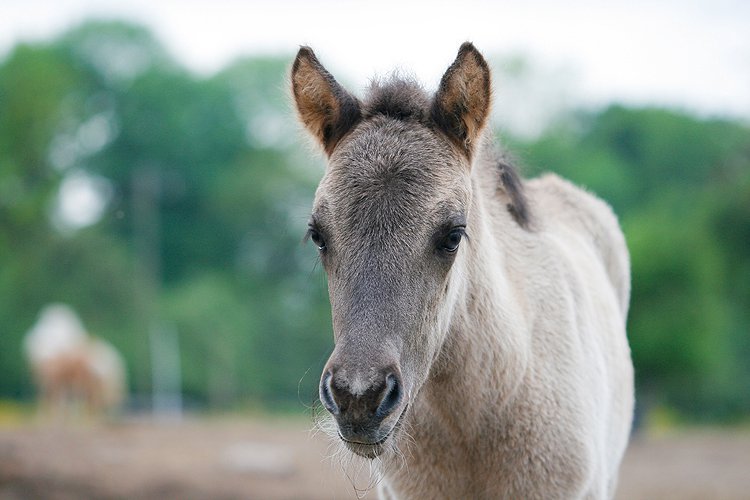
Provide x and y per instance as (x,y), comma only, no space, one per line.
(361,410)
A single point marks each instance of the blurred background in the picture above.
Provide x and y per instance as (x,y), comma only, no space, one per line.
(155,188)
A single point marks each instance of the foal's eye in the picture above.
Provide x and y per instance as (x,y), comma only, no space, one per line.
(316,238)
(450,242)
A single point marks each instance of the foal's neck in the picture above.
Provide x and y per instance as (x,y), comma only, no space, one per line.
(485,355)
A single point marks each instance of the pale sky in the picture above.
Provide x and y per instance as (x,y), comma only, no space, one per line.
(685,54)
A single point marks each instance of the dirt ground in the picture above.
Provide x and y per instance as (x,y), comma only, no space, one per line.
(279,459)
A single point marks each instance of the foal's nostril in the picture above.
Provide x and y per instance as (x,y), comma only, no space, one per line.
(369,404)
(326,394)
(392,395)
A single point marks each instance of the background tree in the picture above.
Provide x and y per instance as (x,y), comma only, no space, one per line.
(198,197)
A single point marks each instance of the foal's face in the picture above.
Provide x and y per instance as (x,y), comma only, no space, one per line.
(389,219)
(390,223)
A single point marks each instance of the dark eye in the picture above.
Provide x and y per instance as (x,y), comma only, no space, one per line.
(316,238)
(450,242)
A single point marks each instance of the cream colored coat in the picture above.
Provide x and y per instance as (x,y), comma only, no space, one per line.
(538,355)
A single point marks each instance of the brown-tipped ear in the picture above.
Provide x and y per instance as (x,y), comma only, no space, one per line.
(325,107)
(462,103)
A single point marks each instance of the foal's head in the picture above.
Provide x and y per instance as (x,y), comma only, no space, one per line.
(390,223)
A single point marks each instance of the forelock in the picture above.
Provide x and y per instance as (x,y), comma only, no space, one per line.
(399,97)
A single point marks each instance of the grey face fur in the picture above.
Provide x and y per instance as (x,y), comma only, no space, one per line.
(390,220)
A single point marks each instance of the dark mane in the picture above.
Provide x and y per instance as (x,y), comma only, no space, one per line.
(512,183)
(404,99)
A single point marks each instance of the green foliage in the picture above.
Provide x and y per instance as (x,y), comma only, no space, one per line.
(202,229)
(207,197)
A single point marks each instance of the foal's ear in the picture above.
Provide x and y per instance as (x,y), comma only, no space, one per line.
(462,103)
(325,107)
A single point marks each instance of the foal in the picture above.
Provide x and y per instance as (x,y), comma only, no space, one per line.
(483,312)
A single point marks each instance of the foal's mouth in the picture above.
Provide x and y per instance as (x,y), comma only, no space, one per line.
(375,449)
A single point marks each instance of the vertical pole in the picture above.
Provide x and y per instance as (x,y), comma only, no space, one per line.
(162,345)
(165,372)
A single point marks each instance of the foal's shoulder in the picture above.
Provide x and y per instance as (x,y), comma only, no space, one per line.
(557,202)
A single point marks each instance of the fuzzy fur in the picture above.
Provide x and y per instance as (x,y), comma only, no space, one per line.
(512,352)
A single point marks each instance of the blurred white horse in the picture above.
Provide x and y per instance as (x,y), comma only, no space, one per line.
(73,370)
